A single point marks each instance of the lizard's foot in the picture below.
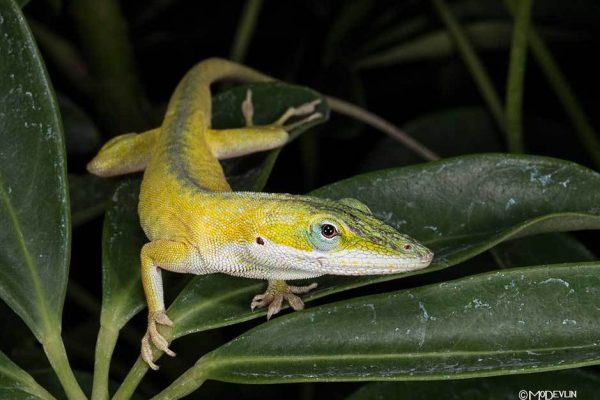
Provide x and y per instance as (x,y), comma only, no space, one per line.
(308,109)
(156,338)
(276,292)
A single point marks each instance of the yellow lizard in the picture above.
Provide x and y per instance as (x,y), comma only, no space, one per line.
(197,225)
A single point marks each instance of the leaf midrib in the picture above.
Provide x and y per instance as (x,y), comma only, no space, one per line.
(28,261)
(386,356)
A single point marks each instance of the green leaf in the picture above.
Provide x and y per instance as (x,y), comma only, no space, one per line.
(459,207)
(584,382)
(484,35)
(34,207)
(462,206)
(122,240)
(508,322)
(17,384)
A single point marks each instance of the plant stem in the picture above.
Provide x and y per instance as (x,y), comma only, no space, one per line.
(516,77)
(132,380)
(362,115)
(57,355)
(245,30)
(191,380)
(105,345)
(473,63)
(587,134)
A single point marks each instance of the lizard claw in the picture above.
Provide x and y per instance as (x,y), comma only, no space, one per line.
(153,336)
(276,292)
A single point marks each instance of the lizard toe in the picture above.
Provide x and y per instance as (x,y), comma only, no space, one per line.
(302,289)
(294,301)
(158,340)
(147,353)
(261,300)
(274,306)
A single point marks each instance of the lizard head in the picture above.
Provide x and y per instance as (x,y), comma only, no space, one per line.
(333,237)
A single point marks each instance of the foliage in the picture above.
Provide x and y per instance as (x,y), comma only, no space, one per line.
(507,293)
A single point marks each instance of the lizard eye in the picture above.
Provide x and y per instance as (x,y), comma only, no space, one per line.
(328,231)
(407,247)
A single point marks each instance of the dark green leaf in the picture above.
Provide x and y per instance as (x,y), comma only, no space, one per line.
(584,382)
(508,322)
(17,384)
(34,207)
(459,207)
(122,240)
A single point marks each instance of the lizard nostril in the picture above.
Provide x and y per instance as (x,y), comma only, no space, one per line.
(260,241)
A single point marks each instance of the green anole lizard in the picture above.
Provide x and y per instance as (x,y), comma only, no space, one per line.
(197,225)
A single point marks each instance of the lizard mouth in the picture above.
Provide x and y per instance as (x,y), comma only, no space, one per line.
(372,265)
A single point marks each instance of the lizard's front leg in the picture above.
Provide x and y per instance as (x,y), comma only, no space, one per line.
(276,292)
(157,255)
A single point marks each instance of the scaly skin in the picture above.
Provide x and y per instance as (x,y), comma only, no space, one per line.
(196,225)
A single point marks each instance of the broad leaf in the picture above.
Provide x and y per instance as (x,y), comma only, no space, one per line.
(584,382)
(17,384)
(34,206)
(513,321)
(459,207)
(122,240)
